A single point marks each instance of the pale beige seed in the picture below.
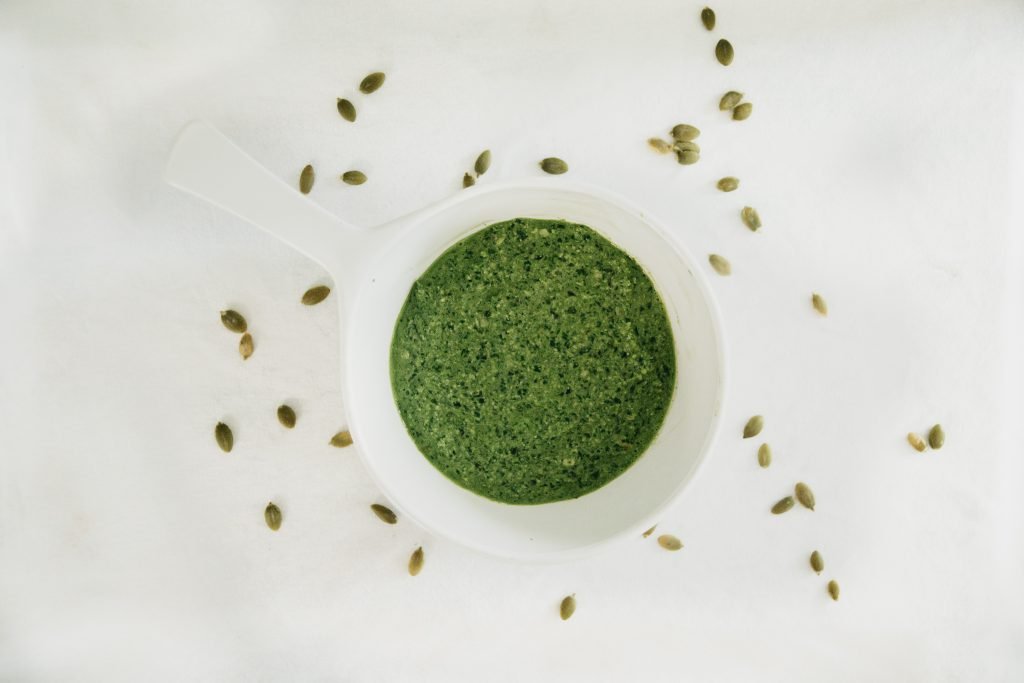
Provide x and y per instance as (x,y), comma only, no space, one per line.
(728,184)
(720,264)
(707,17)
(341,439)
(306,179)
(805,495)
(416,561)
(353,177)
(286,416)
(833,589)
(817,563)
(273,516)
(225,439)
(660,146)
(315,295)
(684,132)
(245,346)
(784,505)
(936,437)
(724,52)
(384,513)
(468,181)
(650,531)
(819,304)
(917,442)
(764,455)
(483,162)
(669,542)
(751,218)
(730,100)
(568,606)
(742,112)
(687,157)
(753,427)
(554,166)
(372,82)
(346,109)
(234,321)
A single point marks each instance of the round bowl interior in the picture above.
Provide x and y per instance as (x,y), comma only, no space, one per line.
(554,530)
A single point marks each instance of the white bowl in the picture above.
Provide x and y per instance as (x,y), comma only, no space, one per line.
(376,268)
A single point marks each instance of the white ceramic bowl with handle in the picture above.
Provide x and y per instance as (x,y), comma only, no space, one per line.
(374,268)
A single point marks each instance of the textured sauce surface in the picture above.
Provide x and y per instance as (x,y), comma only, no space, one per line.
(533,361)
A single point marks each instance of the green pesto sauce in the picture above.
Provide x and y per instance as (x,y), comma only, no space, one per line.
(533,361)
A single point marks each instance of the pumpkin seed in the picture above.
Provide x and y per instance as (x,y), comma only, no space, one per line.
(730,100)
(684,132)
(669,542)
(483,162)
(742,112)
(751,218)
(817,563)
(346,109)
(225,439)
(764,455)
(416,561)
(341,439)
(724,52)
(306,179)
(707,17)
(245,346)
(234,321)
(728,184)
(650,531)
(659,145)
(687,156)
(936,437)
(372,82)
(273,516)
(315,295)
(554,166)
(286,416)
(753,427)
(833,589)
(384,513)
(819,304)
(916,441)
(720,264)
(354,177)
(568,606)
(805,495)
(468,181)
(784,505)
(686,146)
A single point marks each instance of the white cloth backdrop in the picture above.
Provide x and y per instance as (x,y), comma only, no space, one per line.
(884,155)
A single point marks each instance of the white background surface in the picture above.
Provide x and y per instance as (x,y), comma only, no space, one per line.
(883,155)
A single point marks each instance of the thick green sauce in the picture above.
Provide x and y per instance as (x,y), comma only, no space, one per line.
(533,361)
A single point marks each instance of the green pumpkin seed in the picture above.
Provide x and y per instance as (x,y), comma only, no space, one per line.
(764,455)
(917,442)
(936,437)
(384,513)
(234,321)
(707,17)
(720,264)
(286,416)
(833,589)
(416,561)
(805,495)
(554,166)
(724,52)
(742,111)
(468,181)
(372,82)
(669,542)
(730,100)
(728,184)
(751,218)
(273,516)
(784,505)
(819,304)
(346,109)
(315,295)
(684,132)
(568,606)
(686,146)
(817,563)
(650,531)
(225,439)
(753,427)
(306,179)
(245,346)
(687,156)
(354,177)
(659,145)
(341,439)
(483,162)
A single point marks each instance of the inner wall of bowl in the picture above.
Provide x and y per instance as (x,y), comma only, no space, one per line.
(553,529)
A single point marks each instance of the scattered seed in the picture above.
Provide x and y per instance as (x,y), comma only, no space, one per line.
(384,513)
(751,218)
(286,416)
(728,184)
(833,589)
(684,132)
(659,145)
(817,563)
(764,455)
(686,146)
(341,439)
(568,606)
(306,179)
(554,166)
(669,542)
(468,181)
(819,304)
(687,156)
(273,516)
(234,321)
(753,427)
(720,264)
(724,52)
(742,111)
(784,505)
(805,495)
(650,531)
(346,109)
(707,17)
(483,162)
(354,177)
(730,100)
(372,82)
(225,439)
(315,295)
(245,346)
(936,437)
(916,441)
(416,561)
